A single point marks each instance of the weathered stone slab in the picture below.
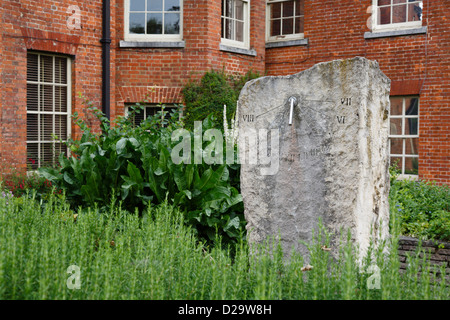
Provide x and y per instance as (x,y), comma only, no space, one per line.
(330,163)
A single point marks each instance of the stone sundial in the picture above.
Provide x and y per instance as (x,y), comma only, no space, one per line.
(314,145)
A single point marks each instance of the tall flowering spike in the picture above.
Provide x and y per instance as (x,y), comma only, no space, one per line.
(236,124)
(232,133)
(225,123)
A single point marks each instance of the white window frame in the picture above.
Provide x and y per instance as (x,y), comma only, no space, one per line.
(150,37)
(68,112)
(287,37)
(391,26)
(404,136)
(233,43)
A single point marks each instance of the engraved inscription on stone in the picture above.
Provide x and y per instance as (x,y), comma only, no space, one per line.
(248,117)
(341,119)
(304,155)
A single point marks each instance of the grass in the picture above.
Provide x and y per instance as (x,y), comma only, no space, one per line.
(125,256)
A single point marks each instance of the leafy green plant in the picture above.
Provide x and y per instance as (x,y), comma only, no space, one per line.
(208,96)
(134,164)
(423,208)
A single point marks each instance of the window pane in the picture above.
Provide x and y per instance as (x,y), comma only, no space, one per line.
(275,28)
(396,127)
(396,145)
(225,27)
(299,7)
(61,99)
(46,154)
(46,127)
(137,5)
(240,10)
(288,9)
(32,67)
(384,2)
(398,162)
(411,126)
(152,110)
(411,165)
(172,23)
(275,10)
(46,69)
(288,26)
(172,5)
(228,8)
(32,97)
(46,98)
(154,5)
(239,31)
(399,14)
(414,12)
(32,127)
(412,106)
(60,70)
(138,118)
(412,146)
(384,15)
(299,23)
(228,31)
(399,1)
(61,127)
(396,106)
(137,23)
(154,23)
(32,155)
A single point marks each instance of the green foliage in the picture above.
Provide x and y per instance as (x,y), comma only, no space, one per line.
(423,209)
(208,96)
(134,164)
(239,81)
(156,256)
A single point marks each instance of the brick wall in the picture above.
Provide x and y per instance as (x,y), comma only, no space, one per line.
(416,64)
(42,26)
(438,253)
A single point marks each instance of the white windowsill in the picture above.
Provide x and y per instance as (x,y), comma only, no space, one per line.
(395,33)
(412,177)
(249,52)
(151,44)
(286,43)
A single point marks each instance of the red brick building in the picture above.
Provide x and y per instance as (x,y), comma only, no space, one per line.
(52,51)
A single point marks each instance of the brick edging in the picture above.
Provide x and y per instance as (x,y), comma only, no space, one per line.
(439,252)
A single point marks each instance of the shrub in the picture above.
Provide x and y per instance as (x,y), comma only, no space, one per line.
(20,184)
(208,96)
(423,208)
(134,164)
